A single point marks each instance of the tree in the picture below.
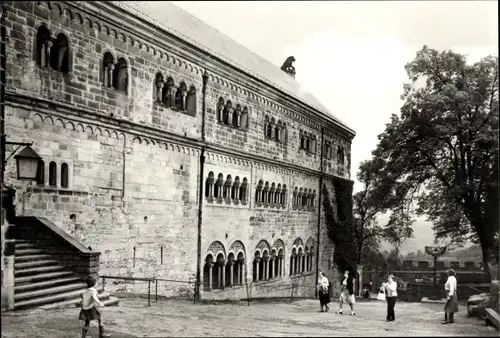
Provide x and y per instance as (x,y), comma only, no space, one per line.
(367,208)
(442,152)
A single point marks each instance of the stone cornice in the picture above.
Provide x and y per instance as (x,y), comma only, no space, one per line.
(142,133)
(293,108)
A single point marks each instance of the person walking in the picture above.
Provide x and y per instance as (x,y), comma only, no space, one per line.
(451,305)
(391,293)
(324,295)
(347,293)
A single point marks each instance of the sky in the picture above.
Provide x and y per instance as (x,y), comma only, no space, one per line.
(351,54)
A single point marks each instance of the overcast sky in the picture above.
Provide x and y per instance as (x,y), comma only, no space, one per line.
(351,54)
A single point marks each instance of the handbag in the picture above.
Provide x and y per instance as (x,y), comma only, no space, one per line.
(381,294)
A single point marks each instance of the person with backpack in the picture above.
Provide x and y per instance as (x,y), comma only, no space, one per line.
(324,295)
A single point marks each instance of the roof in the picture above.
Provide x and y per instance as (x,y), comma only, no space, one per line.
(176,21)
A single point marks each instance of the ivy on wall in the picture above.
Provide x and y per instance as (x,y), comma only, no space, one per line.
(339,224)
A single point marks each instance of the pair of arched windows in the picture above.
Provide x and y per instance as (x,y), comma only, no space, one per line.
(52,52)
(53,177)
(307,141)
(276,131)
(114,73)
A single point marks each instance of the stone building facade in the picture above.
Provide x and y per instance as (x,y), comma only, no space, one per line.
(173,151)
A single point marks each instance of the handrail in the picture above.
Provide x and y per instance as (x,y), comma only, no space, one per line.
(57,231)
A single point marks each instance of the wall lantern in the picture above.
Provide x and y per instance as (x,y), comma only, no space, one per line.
(27,164)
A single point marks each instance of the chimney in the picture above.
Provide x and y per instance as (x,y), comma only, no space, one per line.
(288,67)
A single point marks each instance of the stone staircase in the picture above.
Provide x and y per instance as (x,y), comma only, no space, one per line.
(41,281)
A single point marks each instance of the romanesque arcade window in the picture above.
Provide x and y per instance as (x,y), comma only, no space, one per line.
(114,73)
(301,260)
(226,190)
(233,115)
(304,199)
(328,151)
(167,94)
(273,196)
(53,53)
(308,141)
(53,174)
(64,175)
(275,130)
(221,273)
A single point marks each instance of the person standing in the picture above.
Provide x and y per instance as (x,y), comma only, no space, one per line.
(391,293)
(324,296)
(347,293)
(451,305)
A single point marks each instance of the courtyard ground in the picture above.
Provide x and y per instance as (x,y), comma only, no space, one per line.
(176,318)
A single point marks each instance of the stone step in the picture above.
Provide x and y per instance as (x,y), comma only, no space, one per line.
(42,276)
(75,294)
(104,297)
(46,283)
(24,245)
(33,264)
(24,252)
(48,291)
(39,269)
(30,258)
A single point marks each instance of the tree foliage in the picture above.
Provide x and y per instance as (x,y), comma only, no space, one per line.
(367,207)
(442,151)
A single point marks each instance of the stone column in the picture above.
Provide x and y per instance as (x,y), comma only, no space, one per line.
(273,259)
(159,92)
(210,266)
(222,274)
(183,100)
(257,266)
(105,77)
(238,119)
(230,117)
(299,256)
(293,264)
(47,53)
(266,268)
(231,266)
(111,68)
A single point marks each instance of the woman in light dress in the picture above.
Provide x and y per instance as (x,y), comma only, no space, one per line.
(451,305)
(347,293)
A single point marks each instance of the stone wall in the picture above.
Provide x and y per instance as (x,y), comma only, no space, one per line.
(132,159)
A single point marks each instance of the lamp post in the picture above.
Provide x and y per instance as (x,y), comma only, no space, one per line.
(435,251)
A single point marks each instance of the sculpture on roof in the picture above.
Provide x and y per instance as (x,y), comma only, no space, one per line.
(288,67)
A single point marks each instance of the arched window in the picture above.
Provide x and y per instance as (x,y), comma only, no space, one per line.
(258,192)
(272,190)
(284,196)
(256,267)
(283,133)
(244,191)
(244,119)
(191,101)
(53,174)
(180,97)
(300,198)
(59,54)
(277,195)
(120,75)
(302,143)
(43,46)
(218,186)
(340,156)
(295,197)
(40,173)
(108,67)
(237,116)
(265,193)
(235,188)
(226,111)
(168,92)
(277,131)
(64,175)
(220,108)
(158,88)
(209,186)
(208,273)
(226,193)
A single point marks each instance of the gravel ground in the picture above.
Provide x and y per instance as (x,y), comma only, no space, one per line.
(169,318)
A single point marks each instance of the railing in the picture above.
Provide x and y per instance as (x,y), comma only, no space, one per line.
(149,281)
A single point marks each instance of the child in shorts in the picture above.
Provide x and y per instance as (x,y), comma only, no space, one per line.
(89,311)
